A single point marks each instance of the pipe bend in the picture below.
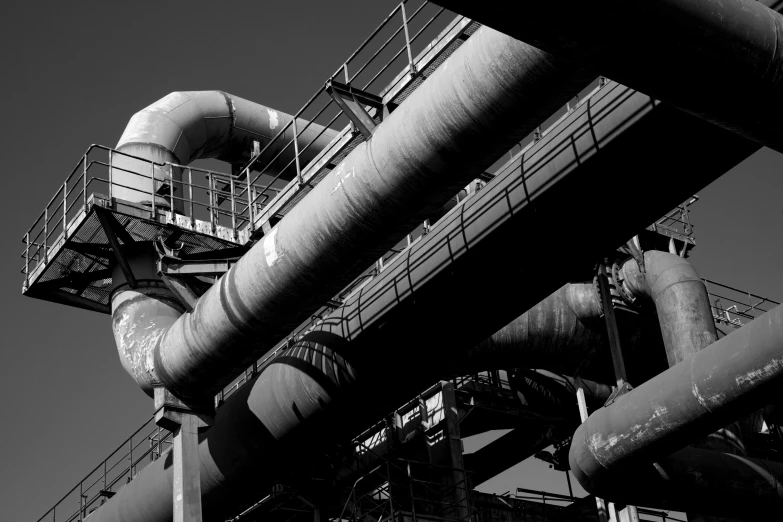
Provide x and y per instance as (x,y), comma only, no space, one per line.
(191,125)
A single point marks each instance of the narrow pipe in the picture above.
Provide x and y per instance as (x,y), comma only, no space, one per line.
(262,431)
(718,385)
(717,59)
(486,97)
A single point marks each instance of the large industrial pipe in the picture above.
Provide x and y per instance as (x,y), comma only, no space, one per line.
(486,97)
(696,479)
(718,385)
(186,126)
(393,336)
(718,59)
(681,301)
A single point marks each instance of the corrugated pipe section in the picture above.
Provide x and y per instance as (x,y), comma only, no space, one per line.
(390,340)
(483,100)
(720,49)
(720,384)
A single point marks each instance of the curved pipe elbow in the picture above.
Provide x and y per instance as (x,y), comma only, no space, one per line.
(680,298)
(213,124)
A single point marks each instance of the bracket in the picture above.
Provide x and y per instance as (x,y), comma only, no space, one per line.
(181,275)
(617,392)
(352,102)
(116,233)
(169,410)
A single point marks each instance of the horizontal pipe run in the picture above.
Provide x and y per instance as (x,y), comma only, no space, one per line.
(718,59)
(708,482)
(708,390)
(484,99)
(402,323)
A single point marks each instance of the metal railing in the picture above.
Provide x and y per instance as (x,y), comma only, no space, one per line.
(143,447)
(733,307)
(404,34)
(677,222)
(185,194)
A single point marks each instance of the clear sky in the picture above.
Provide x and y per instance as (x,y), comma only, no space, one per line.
(74,73)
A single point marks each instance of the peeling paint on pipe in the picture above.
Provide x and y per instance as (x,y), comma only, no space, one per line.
(706,391)
(494,91)
(717,59)
(439,282)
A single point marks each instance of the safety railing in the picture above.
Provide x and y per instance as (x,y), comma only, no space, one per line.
(677,223)
(143,447)
(548,497)
(396,44)
(735,308)
(186,194)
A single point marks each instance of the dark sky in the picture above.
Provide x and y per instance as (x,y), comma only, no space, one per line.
(74,73)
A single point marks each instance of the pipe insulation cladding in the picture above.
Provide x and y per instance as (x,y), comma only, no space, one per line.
(389,341)
(488,95)
(718,59)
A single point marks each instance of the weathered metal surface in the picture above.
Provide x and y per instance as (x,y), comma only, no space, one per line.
(485,98)
(331,383)
(140,317)
(717,59)
(704,392)
(186,126)
(711,482)
(559,333)
(680,298)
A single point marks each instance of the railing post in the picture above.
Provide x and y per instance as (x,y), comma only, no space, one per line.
(171,192)
(233,208)
(190,195)
(84,181)
(250,216)
(296,154)
(152,190)
(111,179)
(211,203)
(46,234)
(27,260)
(130,458)
(411,65)
(65,209)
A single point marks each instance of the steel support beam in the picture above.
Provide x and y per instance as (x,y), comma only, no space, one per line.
(114,234)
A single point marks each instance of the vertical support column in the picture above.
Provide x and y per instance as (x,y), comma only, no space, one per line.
(187,482)
(599,502)
(629,513)
(611,327)
(458,476)
(185,422)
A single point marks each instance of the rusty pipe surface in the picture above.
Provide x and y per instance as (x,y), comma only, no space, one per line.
(706,391)
(712,482)
(717,59)
(484,99)
(260,432)
(561,331)
(680,298)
